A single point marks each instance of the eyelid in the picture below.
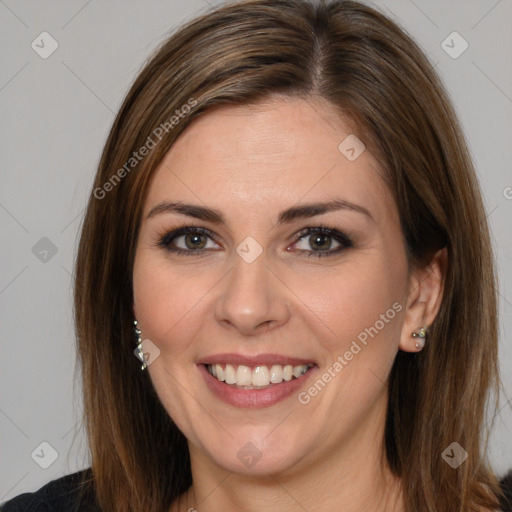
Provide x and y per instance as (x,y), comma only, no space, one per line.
(165,238)
(335,233)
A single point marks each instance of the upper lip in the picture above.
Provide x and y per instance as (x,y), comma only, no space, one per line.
(255,360)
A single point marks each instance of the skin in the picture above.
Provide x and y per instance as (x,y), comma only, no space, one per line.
(251,162)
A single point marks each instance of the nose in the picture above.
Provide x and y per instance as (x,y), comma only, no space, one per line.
(253,299)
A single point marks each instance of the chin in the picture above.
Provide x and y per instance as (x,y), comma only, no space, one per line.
(258,451)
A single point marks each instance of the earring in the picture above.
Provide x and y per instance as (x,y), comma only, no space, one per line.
(138,351)
(421,335)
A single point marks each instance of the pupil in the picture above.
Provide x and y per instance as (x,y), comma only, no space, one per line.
(318,240)
(194,238)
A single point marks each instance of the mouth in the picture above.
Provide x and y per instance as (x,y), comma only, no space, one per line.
(255,381)
(256,377)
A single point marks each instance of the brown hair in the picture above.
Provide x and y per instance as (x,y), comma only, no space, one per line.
(371,72)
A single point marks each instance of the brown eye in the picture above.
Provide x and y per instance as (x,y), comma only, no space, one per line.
(186,240)
(193,241)
(319,240)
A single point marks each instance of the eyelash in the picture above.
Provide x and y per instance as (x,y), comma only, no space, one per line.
(165,239)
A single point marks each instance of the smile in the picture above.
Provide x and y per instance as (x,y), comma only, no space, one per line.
(254,381)
(256,377)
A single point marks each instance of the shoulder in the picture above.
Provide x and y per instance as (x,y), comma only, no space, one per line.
(69,493)
(506,487)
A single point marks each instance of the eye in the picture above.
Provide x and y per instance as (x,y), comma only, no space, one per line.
(193,240)
(190,240)
(321,238)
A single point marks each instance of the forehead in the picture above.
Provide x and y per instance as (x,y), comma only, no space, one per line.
(279,152)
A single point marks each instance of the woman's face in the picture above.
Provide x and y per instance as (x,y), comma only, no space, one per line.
(256,292)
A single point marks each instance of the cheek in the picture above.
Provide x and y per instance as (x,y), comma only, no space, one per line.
(157,303)
(168,302)
(364,312)
(360,301)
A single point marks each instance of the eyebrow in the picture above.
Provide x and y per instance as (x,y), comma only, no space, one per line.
(303,211)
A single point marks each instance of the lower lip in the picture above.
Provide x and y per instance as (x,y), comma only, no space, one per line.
(254,398)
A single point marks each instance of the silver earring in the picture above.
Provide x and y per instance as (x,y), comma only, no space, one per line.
(138,351)
(421,335)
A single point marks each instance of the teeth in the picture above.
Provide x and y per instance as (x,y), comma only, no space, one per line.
(243,376)
(220,374)
(297,371)
(257,376)
(260,376)
(230,375)
(276,374)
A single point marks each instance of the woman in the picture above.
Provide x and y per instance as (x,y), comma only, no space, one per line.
(282,229)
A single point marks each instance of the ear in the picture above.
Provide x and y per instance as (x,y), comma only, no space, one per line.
(425,292)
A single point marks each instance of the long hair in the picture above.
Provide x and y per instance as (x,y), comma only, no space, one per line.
(371,72)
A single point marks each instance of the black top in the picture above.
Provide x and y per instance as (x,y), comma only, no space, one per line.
(62,495)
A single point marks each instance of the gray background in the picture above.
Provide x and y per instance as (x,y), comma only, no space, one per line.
(55,115)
